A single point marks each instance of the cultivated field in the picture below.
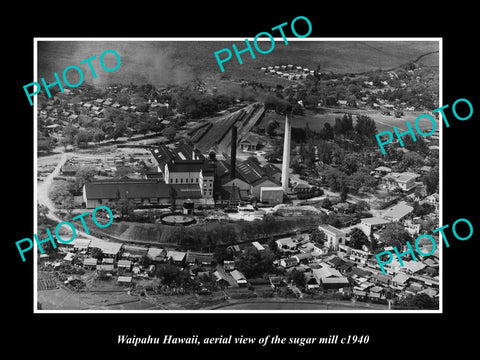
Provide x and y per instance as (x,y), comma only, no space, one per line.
(316,121)
(165,62)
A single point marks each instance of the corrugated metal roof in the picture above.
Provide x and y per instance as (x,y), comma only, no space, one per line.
(127,189)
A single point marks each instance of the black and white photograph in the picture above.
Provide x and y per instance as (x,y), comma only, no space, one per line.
(262,187)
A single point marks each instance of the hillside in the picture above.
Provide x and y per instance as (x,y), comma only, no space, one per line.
(166,62)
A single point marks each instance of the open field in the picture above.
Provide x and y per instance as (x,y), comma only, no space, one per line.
(265,304)
(176,62)
(316,121)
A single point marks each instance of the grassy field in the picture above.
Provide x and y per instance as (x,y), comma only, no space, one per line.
(316,121)
(168,62)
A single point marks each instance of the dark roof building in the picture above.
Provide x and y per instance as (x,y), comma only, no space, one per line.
(140,190)
(164,154)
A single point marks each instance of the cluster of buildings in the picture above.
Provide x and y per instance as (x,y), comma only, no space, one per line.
(183,173)
(56,117)
(336,266)
(289,72)
(124,262)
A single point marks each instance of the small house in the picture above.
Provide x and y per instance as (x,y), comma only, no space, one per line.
(239,278)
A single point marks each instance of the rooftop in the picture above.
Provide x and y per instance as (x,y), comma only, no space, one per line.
(397,212)
(375,221)
(402,177)
(127,189)
(107,247)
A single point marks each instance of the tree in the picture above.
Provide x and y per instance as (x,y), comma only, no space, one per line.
(418,301)
(42,212)
(170,133)
(297,277)
(395,234)
(84,175)
(61,191)
(274,155)
(120,129)
(431,180)
(327,132)
(68,204)
(254,263)
(317,236)
(335,178)
(70,131)
(358,239)
(98,135)
(45,143)
(145,261)
(361,206)
(169,273)
(102,275)
(125,207)
(82,138)
(366,128)
(271,128)
(65,141)
(221,254)
(343,125)
(96,253)
(343,191)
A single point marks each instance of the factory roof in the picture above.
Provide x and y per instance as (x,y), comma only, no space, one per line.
(126,189)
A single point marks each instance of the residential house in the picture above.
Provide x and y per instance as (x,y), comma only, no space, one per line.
(303,257)
(90,263)
(275,281)
(108,268)
(156,254)
(335,283)
(257,246)
(124,280)
(404,181)
(239,278)
(199,258)
(178,257)
(413,267)
(382,171)
(399,281)
(311,281)
(68,259)
(132,252)
(229,265)
(288,262)
(382,279)
(433,199)
(412,227)
(124,265)
(286,244)
(108,248)
(250,143)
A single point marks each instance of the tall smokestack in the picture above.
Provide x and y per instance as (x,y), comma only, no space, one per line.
(286,151)
(233,152)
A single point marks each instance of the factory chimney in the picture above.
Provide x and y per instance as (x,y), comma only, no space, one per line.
(286,151)
(233,152)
